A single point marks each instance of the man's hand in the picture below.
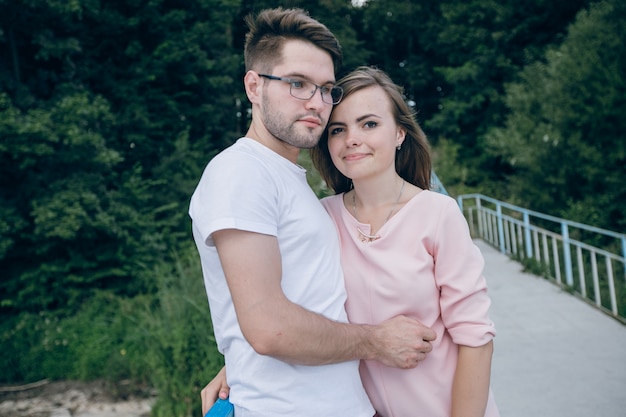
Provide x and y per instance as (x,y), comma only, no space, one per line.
(217,388)
(401,342)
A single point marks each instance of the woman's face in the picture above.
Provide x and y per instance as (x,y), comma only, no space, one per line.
(363,134)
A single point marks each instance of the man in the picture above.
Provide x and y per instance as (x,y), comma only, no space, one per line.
(269,251)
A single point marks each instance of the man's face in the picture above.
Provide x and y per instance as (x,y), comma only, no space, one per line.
(294,121)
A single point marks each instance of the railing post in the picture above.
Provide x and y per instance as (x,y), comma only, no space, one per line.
(624,253)
(500,228)
(567,256)
(480,218)
(529,244)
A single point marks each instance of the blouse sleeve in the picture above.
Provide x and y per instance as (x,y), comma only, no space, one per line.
(459,275)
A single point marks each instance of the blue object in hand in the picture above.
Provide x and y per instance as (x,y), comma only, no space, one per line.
(221,408)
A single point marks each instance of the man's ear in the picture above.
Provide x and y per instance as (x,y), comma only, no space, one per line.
(252,85)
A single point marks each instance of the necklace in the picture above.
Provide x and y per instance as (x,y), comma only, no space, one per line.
(365,238)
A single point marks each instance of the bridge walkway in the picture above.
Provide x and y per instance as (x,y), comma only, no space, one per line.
(555,355)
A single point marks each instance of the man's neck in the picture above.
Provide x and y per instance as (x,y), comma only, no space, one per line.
(269,141)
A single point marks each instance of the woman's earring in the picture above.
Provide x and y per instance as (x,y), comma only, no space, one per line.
(399,146)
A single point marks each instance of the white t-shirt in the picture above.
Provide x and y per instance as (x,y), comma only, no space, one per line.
(249,187)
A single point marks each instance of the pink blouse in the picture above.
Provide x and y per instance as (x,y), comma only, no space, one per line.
(424,266)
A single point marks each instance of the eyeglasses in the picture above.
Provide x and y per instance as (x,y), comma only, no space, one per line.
(305,90)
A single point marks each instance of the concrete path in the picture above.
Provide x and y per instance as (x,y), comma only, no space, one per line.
(555,355)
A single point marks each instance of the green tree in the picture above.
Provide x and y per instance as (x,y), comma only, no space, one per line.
(564,138)
(73,222)
(485,43)
(110,110)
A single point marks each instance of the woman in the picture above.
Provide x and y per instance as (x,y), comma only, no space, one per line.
(404,250)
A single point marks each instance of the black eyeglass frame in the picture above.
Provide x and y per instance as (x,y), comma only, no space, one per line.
(322,88)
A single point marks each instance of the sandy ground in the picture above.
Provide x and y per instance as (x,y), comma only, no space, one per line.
(74,399)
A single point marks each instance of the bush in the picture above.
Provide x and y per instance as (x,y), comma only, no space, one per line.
(164,339)
(175,332)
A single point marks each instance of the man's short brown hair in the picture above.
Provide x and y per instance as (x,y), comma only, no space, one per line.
(273,27)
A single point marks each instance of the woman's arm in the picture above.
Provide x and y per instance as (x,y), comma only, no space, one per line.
(217,388)
(470,389)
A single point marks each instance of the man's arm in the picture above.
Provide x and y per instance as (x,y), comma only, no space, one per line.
(276,327)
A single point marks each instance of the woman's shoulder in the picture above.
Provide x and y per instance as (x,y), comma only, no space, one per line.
(434,198)
(432,207)
(332,201)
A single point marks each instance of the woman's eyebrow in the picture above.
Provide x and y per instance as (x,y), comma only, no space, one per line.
(365,116)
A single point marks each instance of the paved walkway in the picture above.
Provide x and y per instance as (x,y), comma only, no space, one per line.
(555,355)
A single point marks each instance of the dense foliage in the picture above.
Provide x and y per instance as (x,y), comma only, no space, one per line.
(564,139)
(109,111)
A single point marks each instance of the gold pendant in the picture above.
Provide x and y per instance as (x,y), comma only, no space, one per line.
(365,238)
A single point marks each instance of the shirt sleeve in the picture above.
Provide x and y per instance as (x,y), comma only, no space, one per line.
(459,275)
(234,193)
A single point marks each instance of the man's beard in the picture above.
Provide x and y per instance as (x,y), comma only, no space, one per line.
(286,131)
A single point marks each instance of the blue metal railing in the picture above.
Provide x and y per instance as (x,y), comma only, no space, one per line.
(436,184)
(559,247)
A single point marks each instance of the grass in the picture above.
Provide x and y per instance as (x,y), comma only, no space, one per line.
(163,340)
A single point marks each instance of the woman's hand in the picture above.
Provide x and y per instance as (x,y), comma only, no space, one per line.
(217,388)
